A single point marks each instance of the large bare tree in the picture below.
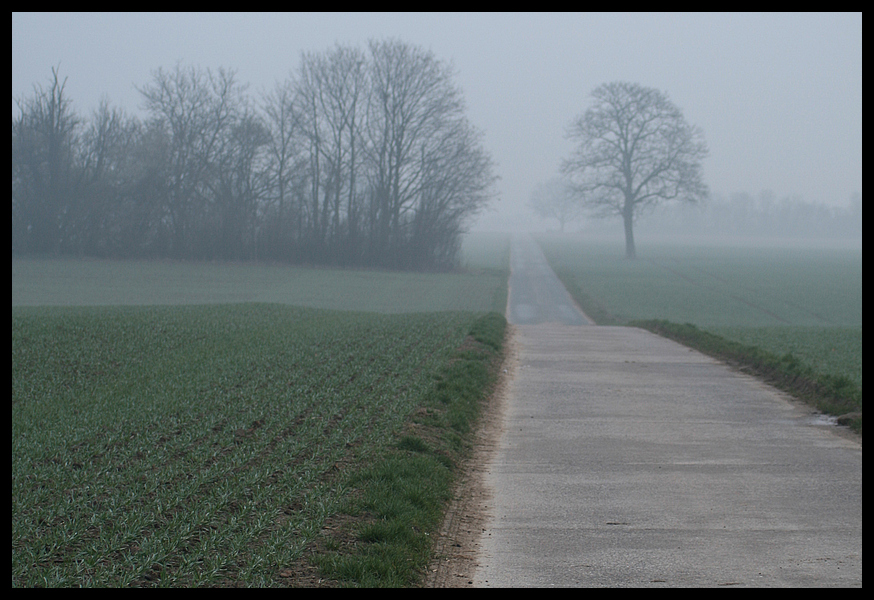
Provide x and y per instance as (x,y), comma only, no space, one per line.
(634,150)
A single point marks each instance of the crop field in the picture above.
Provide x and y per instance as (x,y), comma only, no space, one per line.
(171,427)
(200,446)
(94,282)
(804,301)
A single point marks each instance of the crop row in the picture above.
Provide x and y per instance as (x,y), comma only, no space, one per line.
(199,445)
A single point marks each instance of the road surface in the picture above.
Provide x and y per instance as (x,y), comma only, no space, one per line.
(629,460)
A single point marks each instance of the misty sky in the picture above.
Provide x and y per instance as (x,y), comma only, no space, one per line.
(778,96)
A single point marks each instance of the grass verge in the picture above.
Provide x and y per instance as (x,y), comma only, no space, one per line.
(397,503)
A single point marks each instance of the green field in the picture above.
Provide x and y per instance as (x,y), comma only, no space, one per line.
(803,301)
(183,424)
(181,430)
(94,282)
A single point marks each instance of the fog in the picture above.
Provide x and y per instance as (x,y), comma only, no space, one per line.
(778,96)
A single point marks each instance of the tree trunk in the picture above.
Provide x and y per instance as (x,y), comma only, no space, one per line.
(628,217)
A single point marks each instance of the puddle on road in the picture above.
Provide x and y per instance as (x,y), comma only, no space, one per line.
(821,420)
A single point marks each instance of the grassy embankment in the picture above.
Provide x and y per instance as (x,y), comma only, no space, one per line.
(242,444)
(790,316)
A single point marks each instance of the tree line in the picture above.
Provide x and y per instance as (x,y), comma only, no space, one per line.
(358,158)
(761,216)
(737,215)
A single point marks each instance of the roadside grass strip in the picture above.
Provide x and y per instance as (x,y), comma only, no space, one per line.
(401,498)
(834,350)
(225,445)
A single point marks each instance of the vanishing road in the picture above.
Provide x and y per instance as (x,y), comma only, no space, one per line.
(629,460)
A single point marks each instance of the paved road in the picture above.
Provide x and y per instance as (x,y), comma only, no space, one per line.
(629,460)
(536,294)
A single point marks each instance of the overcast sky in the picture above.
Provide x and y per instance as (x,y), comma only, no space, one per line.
(778,96)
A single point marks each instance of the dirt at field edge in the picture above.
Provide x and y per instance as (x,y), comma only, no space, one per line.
(456,549)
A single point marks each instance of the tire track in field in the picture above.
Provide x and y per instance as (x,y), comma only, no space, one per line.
(720,291)
(797,307)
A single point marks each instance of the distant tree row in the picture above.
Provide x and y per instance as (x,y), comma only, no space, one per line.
(358,158)
(761,216)
(737,215)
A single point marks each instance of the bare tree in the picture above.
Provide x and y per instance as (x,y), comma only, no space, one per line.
(413,105)
(359,158)
(44,139)
(555,199)
(238,184)
(105,154)
(634,150)
(457,178)
(331,91)
(285,167)
(196,108)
